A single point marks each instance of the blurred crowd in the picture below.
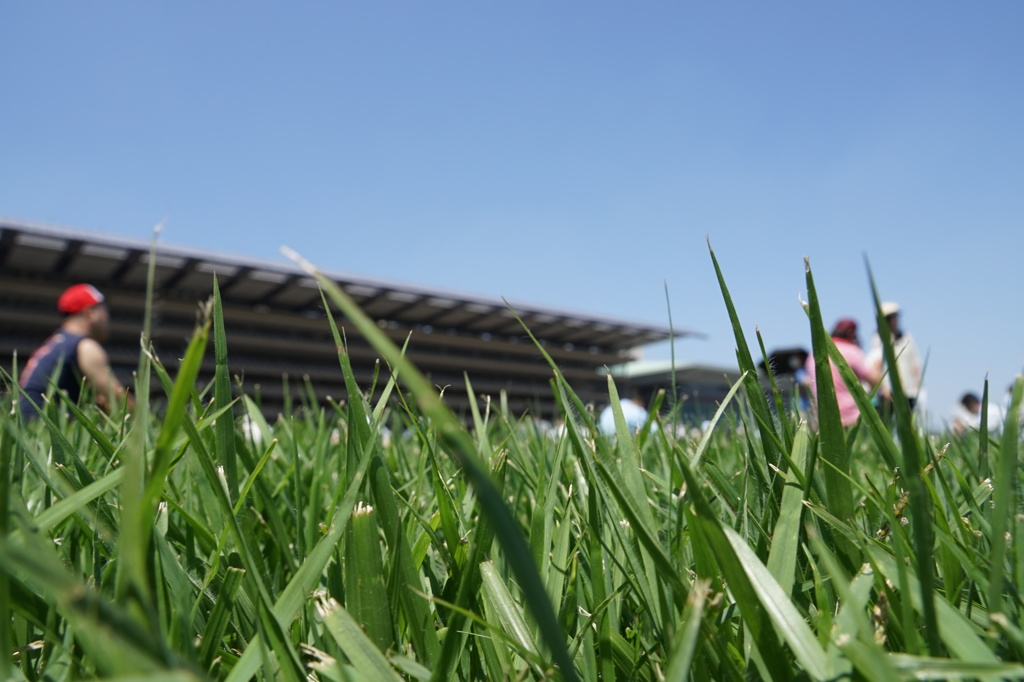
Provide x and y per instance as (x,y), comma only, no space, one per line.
(872,369)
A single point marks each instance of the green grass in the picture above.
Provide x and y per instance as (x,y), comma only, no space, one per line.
(392,540)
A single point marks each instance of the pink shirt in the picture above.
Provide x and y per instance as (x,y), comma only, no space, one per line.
(854,357)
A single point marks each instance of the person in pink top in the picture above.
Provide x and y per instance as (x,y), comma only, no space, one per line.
(845,336)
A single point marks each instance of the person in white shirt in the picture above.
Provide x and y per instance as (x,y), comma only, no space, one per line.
(908,360)
(967,414)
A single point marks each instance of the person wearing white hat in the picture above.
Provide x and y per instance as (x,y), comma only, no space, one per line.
(908,360)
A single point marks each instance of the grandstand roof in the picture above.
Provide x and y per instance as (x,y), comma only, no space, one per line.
(85,256)
(275,328)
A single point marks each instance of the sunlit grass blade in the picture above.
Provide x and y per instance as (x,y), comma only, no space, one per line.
(852,637)
(852,634)
(504,608)
(366,597)
(361,438)
(592,505)
(366,658)
(664,554)
(63,509)
(581,429)
(769,651)
(1005,485)
(929,668)
(755,394)
(780,404)
(286,663)
(684,647)
(110,636)
(913,475)
(468,588)
(959,635)
(295,593)
(629,469)
(832,442)
(132,541)
(141,497)
(7,640)
(983,467)
(784,616)
(505,527)
(786,534)
(220,617)
(225,426)
(270,617)
(159,676)
(708,432)
(99,437)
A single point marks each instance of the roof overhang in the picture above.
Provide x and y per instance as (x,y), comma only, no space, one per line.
(182,272)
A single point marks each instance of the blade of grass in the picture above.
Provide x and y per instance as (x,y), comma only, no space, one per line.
(358,647)
(832,442)
(107,633)
(913,474)
(630,474)
(780,405)
(461,446)
(220,617)
(509,615)
(786,534)
(362,439)
(469,584)
(595,522)
(366,598)
(681,660)
(750,593)
(1005,483)
(7,640)
(784,616)
(959,635)
(575,411)
(307,576)
(755,394)
(222,394)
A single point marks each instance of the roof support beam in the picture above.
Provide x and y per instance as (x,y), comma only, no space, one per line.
(70,251)
(6,242)
(132,258)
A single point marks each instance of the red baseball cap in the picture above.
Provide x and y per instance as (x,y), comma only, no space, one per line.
(77,298)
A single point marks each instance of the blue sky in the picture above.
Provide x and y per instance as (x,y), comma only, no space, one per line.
(575,155)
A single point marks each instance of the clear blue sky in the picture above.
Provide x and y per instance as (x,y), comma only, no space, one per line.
(568,154)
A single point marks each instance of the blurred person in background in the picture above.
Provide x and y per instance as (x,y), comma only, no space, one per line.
(73,354)
(844,334)
(633,411)
(908,360)
(967,414)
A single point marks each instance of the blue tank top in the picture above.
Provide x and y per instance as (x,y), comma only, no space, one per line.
(59,351)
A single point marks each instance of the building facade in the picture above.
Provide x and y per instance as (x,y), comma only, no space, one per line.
(279,340)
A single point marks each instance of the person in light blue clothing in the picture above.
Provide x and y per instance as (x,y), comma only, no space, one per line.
(632,410)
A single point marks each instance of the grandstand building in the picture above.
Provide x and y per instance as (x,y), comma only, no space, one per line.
(276,327)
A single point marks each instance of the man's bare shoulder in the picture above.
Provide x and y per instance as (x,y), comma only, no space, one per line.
(90,349)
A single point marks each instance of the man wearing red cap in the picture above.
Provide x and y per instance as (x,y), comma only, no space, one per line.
(74,352)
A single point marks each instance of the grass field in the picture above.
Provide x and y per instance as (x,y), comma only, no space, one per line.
(392,540)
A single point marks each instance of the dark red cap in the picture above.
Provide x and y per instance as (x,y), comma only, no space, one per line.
(77,298)
(845,328)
